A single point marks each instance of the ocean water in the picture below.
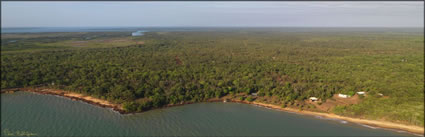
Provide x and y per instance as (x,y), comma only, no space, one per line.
(171,29)
(61,29)
(48,115)
(101,29)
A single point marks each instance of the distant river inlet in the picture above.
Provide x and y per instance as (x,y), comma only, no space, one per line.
(58,116)
(138,33)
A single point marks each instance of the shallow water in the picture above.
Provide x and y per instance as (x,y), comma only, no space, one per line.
(59,116)
(138,33)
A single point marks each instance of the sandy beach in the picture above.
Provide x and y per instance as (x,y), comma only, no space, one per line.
(71,95)
(382,124)
(118,107)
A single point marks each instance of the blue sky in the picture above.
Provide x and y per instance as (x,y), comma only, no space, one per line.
(212,14)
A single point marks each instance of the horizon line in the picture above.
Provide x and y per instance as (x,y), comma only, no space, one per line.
(220,27)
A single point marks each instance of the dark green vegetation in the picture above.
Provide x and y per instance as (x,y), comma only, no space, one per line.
(176,67)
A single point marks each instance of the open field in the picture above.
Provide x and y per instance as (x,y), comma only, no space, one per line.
(283,68)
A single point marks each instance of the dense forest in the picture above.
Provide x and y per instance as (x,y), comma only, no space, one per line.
(161,68)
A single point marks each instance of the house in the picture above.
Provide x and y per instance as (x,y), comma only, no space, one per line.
(361,93)
(380,94)
(343,95)
(313,99)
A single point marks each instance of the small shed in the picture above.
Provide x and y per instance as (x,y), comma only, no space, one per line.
(313,99)
(254,94)
(343,95)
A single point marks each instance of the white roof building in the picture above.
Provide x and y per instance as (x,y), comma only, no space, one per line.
(361,93)
(313,98)
(343,95)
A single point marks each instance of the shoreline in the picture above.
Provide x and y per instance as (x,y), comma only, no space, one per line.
(118,108)
(70,95)
(374,123)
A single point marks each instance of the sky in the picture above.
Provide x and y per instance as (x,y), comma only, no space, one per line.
(212,14)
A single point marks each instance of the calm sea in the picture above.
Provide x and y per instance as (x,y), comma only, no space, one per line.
(102,29)
(171,29)
(57,116)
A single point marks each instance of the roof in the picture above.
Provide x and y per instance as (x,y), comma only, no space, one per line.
(313,98)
